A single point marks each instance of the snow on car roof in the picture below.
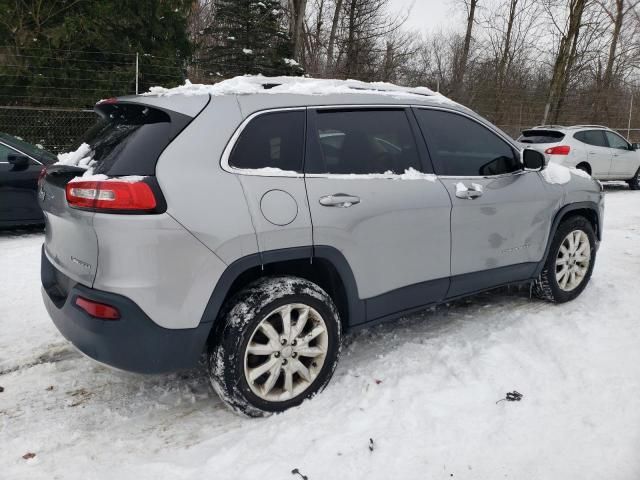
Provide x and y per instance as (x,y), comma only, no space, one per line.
(259,84)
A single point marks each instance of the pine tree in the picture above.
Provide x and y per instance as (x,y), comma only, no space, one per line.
(248,37)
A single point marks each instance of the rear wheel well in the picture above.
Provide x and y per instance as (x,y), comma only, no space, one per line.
(321,272)
(584,166)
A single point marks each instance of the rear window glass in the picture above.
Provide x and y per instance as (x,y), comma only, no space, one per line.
(541,136)
(129,138)
(271,140)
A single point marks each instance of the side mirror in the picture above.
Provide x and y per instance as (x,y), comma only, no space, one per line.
(19,162)
(533,160)
(635,146)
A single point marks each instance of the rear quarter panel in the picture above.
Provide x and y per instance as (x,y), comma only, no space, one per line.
(202,197)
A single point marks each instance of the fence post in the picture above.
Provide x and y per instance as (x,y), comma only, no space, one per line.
(137,73)
(629,122)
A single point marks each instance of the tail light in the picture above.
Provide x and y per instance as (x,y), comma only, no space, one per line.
(43,173)
(98,310)
(560,150)
(111,195)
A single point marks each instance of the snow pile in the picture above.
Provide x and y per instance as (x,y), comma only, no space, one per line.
(82,157)
(424,389)
(252,84)
(290,61)
(409,174)
(104,178)
(556,174)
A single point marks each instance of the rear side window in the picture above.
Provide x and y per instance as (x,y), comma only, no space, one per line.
(592,137)
(129,138)
(362,142)
(462,147)
(271,140)
(616,141)
(541,136)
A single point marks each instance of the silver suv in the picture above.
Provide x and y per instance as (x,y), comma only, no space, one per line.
(599,151)
(257,228)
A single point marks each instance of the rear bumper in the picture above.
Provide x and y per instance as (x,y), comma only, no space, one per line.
(134,342)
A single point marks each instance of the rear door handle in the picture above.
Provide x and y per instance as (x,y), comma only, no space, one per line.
(341,200)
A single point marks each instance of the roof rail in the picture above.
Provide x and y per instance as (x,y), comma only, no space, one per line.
(589,126)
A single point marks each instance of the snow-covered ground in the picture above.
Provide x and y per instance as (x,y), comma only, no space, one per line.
(424,390)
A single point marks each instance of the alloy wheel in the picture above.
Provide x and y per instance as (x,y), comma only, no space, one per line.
(573,259)
(286,352)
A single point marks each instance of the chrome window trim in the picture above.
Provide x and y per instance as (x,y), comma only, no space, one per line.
(224,161)
(226,153)
(508,140)
(20,152)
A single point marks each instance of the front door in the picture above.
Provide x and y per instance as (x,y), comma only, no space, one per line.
(501,214)
(624,160)
(369,199)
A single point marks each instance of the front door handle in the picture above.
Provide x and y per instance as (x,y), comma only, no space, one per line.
(341,200)
(468,193)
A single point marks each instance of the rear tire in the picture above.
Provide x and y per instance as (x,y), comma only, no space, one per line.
(569,263)
(278,346)
(634,183)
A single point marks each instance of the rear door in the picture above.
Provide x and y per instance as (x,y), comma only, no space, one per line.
(18,188)
(368,200)
(624,159)
(598,152)
(268,156)
(501,214)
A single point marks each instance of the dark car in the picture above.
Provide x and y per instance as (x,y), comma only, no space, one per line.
(20,166)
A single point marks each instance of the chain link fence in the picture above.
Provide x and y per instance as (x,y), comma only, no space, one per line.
(53,129)
(57,117)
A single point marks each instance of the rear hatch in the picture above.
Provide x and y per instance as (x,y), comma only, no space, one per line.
(126,141)
(540,139)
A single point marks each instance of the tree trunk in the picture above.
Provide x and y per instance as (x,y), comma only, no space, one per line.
(298,9)
(564,61)
(504,59)
(332,35)
(461,68)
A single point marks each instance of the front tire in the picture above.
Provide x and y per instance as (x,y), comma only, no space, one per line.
(569,263)
(634,183)
(279,346)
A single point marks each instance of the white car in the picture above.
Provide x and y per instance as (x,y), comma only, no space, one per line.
(601,152)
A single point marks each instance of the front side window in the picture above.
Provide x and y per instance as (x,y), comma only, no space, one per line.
(271,140)
(462,147)
(592,137)
(616,141)
(362,142)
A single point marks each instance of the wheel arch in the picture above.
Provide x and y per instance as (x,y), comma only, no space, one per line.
(323,265)
(587,166)
(589,210)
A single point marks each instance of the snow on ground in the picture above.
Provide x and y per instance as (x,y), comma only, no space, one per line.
(423,389)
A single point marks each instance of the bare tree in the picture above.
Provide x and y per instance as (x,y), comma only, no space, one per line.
(297,10)
(564,60)
(461,64)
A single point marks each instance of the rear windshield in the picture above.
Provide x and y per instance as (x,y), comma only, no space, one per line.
(541,136)
(127,139)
